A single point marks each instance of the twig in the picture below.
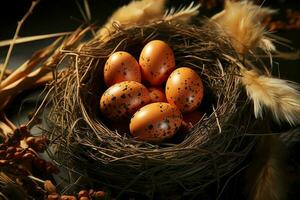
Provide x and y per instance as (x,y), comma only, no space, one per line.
(33,38)
(27,67)
(87,10)
(36,179)
(217,119)
(20,23)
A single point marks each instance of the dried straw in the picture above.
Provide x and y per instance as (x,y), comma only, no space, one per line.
(85,144)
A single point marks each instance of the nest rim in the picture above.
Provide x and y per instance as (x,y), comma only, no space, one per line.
(112,150)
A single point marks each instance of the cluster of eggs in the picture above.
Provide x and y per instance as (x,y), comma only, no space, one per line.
(157,110)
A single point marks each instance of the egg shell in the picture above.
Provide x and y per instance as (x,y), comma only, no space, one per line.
(155,122)
(184,88)
(123,99)
(157,94)
(157,61)
(121,66)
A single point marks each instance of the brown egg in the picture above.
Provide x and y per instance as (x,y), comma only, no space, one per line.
(122,99)
(157,94)
(121,66)
(193,117)
(157,62)
(184,89)
(155,122)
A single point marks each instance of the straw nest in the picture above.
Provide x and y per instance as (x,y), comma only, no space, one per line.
(85,143)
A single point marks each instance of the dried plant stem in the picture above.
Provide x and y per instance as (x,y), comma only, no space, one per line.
(7,72)
(24,83)
(6,126)
(27,67)
(23,79)
(20,40)
(36,179)
(7,121)
(20,23)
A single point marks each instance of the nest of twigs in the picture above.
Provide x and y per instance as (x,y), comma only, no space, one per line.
(85,143)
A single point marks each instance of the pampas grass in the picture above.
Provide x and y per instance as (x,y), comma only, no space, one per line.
(241,22)
(136,12)
(280,97)
(182,15)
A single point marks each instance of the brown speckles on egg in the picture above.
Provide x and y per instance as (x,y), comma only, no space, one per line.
(155,122)
(122,100)
(150,127)
(121,66)
(191,96)
(159,62)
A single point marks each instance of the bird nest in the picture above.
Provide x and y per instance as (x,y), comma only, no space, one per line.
(86,144)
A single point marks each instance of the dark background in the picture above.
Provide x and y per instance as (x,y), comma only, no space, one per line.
(52,16)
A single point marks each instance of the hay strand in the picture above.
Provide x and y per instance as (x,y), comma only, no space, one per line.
(21,40)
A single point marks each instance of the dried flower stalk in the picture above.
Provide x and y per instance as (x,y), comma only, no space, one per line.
(20,23)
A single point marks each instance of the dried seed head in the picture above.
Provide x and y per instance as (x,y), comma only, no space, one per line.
(11,150)
(18,155)
(49,187)
(30,141)
(67,197)
(91,192)
(83,193)
(28,156)
(3,162)
(53,197)
(100,195)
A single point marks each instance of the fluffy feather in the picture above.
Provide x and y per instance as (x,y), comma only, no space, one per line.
(183,14)
(281,97)
(265,177)
(241,22)
(136,12)
(267,45)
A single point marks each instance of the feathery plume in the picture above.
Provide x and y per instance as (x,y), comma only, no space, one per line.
(281,97)
(267,45)
(241,22)
(183,14)
(136,12)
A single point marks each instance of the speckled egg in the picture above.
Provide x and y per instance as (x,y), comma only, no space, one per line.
(184,88)
(155,122)
(123,99)
(157,61)
(157,94)
(121,66)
